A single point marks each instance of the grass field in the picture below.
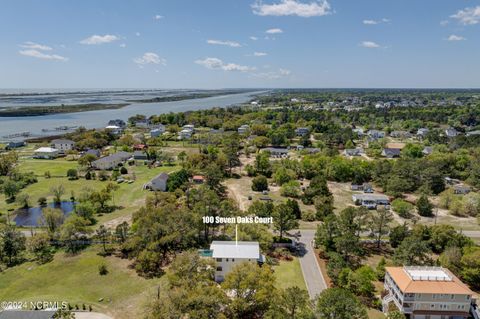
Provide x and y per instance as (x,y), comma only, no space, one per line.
(375,314)
(129,197)
(289,274)
(75,279)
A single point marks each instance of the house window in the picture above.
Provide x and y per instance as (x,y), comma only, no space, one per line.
(233,260)
(219,259)
(452,297)
(226,260)
(219,268)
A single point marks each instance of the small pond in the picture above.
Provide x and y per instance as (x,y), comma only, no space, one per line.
(31,216)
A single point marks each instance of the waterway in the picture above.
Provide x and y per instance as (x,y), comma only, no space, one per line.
(99,118)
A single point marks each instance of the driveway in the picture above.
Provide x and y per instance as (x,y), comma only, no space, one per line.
(308,262)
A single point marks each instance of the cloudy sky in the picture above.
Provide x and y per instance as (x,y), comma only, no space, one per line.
(239,43)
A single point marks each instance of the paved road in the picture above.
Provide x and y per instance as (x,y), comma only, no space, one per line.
(310,268)
(471,233)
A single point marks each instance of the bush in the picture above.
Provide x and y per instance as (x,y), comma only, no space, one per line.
(424,206)
(102,176)
(123,170)
(42,201)
(72,174)
(402,208)
(308,216)
(88,175)
(259,183)
(102,270)
(291,189)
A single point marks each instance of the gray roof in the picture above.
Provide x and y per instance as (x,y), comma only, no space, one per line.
(24,314)
(162,176)
(275,150)
(62,141)
(119,155)
(372,197)
(232,249)
(392,151)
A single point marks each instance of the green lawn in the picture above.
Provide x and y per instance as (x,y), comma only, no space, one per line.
(289,274)
(375,314)
(129,197)
(75,279)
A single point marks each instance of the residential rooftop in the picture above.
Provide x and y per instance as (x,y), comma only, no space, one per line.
(429,280)
(234,249)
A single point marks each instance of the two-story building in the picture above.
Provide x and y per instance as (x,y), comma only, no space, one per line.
(63,145)
(422,292)
(228,254)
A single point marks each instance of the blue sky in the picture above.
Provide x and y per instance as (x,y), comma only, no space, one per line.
(239,43)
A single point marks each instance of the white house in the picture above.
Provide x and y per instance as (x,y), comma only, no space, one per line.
(370,201)
(111,161)
(451,132)
(376,134)
(158,183)
(157,131)
(63,145)
(46,153)
(228,254)
(185,134)
(116,130)
(422,292)
(243,129)
(302,131)
(422,132)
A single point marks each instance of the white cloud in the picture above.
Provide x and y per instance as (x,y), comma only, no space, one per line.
(443,23)
(232,44)
(259,54)
(158,17)
(99,39)
(253,38)
(35,46)
(40,55)
(468,16)
(137,34)
(369,44)
(123,45)
(454,37)
(374,22)
(150,58)
(273,75)
(315,8)
(274,31)
(217,64)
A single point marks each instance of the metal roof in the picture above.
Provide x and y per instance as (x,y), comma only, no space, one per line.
(232,249)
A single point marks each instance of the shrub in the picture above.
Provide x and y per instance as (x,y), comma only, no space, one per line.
(102,270)
(102,176)
(291,189)
(259,183)
(88,175)
(72,174)
(424,206)
(42,201)
(402,208)
(123,170)
(308,216)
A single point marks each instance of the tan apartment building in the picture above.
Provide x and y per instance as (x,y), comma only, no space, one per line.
(426,293)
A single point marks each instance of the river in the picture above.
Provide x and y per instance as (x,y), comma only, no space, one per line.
(99,119)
